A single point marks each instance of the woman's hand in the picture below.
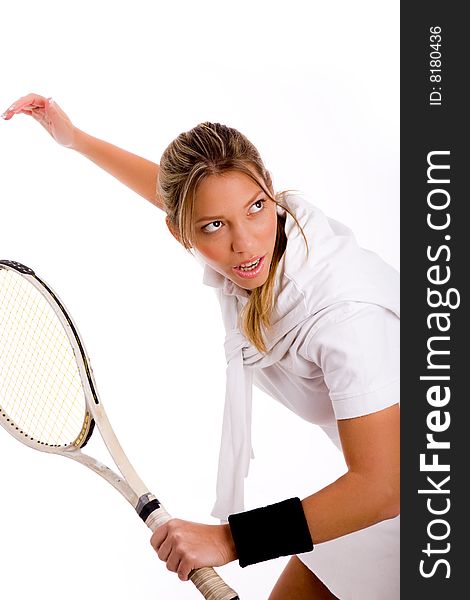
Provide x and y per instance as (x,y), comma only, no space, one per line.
(48,114)
(185,546)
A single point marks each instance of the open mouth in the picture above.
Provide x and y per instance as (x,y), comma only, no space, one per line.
(250,269)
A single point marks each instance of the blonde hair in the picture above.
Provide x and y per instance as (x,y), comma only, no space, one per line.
(212,149)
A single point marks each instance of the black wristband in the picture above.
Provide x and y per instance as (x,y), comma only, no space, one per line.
(277,530)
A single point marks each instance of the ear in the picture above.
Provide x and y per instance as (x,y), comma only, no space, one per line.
(172,229)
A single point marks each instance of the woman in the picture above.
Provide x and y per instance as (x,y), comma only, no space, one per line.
(311,319)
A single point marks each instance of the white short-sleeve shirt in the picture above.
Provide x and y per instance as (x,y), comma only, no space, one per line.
(346,366)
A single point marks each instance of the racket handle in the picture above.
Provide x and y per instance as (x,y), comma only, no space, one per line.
(211,585)
(207,581)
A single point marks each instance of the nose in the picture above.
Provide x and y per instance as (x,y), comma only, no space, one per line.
(242,240)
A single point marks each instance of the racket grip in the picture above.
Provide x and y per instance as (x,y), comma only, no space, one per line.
(211,585)
(207,581)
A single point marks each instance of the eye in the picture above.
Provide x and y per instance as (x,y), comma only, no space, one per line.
(205,228)
(261,202)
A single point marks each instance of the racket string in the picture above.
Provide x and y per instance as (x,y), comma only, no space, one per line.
(40,385)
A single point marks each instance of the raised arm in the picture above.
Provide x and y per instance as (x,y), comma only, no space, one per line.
(135,172)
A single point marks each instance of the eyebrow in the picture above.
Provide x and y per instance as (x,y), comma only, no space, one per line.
(218,217)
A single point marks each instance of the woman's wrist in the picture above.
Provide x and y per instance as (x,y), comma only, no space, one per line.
(80,141)
(229,544)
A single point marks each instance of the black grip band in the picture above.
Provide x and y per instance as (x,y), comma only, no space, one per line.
(280,529)
(148,509)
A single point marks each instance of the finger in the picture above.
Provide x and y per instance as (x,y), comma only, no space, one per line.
(16,109)
(165,550)
(185,567)
(159,536)
(173,562)
(10,110)
(28,101)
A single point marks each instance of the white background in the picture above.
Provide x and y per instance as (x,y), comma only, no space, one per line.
(315,86)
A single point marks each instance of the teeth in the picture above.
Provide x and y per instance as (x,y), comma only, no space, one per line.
(250,266)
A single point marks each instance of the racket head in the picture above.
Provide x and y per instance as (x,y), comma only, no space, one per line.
(47,392)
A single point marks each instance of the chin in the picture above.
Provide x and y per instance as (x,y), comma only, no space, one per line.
(250,286)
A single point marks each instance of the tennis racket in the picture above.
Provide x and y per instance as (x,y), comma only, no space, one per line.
(49,400)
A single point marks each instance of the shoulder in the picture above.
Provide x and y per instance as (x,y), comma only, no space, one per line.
(357,347)
(335,269)
(344,324)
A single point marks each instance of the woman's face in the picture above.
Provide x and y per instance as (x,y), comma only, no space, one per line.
(235,223)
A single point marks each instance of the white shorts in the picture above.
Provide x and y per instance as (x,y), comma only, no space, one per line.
(364,565)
